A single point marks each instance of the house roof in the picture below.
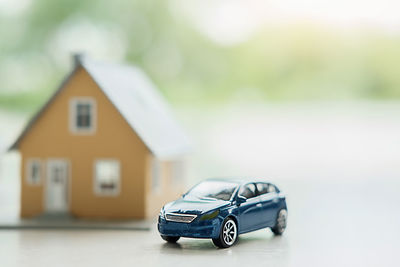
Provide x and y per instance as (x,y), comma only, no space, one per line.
(138,101)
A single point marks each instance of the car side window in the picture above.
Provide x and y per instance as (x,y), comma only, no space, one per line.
(248,191)
(262,188)
(271,188)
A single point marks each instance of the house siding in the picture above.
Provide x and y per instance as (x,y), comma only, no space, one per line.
(167,191)
(50,137)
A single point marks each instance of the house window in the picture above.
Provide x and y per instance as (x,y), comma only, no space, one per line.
(34,172)
(82,115)
(107,177)
(156,175)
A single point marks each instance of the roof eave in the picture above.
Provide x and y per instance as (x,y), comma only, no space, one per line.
(170,156)
(33,119)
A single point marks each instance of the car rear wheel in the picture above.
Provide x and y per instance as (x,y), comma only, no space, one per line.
(281,221)
(170,239)
(228,234)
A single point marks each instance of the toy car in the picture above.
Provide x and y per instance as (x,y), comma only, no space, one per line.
(223,209)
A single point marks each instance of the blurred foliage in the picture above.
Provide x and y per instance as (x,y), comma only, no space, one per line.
(302,62)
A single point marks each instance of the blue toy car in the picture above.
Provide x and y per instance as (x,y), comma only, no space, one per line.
(223,209)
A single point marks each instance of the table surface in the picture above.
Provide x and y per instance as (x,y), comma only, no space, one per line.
(329,225)
(339,168)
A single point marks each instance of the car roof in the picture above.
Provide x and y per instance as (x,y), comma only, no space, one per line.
(238,181)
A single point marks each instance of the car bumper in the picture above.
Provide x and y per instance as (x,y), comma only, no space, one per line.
(197,228)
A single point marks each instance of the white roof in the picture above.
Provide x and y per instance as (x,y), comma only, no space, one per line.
(142,106)
(139,102)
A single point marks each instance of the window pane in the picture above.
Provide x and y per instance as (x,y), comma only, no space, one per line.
(248,191)
(262,188)
(213,189)
(83,115)
(34,172)
(271,188)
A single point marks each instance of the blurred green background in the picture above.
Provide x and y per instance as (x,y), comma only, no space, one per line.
(190,56)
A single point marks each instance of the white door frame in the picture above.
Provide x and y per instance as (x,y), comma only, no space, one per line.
(50,163)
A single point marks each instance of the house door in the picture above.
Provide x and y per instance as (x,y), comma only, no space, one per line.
(57,186)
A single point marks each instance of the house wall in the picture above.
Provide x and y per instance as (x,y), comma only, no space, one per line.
(170,187)
(50,137)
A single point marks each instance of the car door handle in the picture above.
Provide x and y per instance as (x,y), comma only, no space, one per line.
(259,205)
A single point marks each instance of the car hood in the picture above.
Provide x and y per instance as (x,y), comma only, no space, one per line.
(193,205)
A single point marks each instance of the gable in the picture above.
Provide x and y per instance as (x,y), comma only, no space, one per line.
(51,134)
(133,95)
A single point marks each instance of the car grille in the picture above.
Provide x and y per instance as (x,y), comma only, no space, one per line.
(177,217)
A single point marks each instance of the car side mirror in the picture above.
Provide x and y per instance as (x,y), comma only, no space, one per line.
(240,200)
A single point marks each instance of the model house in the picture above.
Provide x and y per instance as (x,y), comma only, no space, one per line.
(105,145)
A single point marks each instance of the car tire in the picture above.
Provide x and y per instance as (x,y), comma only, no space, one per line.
(228,234)
(170,239)
(281,222)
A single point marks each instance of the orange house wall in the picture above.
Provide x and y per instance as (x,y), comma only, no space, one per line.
(50,137)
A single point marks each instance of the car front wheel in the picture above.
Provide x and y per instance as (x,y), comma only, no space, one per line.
(170,239)
(280,224)
(228,234)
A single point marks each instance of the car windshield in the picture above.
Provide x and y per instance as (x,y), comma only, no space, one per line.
(213,189)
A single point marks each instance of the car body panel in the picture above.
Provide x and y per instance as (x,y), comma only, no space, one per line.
(250,214)
(270,204)
(191,205)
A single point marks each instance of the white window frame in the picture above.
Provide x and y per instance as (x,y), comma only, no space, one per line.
(73,103)
(97,189)
(30,162)
(156,174)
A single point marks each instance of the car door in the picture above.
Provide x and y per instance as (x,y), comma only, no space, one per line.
(250,216)
(270,201)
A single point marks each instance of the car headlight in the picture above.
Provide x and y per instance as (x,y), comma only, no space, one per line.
(210,215)
(162,213)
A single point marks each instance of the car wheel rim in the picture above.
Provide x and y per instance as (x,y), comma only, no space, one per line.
(229,232)
(282,220)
